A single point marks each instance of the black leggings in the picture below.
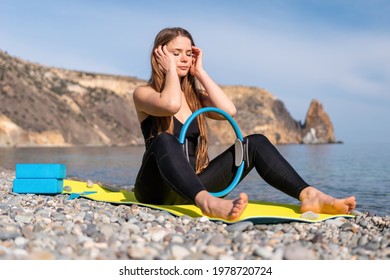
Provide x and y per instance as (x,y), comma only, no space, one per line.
(166,176)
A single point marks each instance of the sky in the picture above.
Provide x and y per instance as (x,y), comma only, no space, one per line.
(335,51)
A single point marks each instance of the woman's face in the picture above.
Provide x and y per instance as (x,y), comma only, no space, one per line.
(181,49)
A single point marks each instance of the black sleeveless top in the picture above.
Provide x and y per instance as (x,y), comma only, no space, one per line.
(149,132)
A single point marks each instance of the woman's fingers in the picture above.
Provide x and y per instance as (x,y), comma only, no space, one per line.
(196,61)
(196,52)
(164,58)
(164,50)
(158,51)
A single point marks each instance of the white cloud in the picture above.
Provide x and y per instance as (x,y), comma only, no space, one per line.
(357,63)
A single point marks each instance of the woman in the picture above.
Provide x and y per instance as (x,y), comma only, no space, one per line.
(178,86)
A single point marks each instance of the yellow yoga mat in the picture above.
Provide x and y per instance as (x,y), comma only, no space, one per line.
(257,212)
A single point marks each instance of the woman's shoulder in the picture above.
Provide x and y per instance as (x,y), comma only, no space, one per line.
(138,95)
(140,91)
(142,88)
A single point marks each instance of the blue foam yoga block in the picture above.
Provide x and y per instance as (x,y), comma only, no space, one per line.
(38,186)
(40,171)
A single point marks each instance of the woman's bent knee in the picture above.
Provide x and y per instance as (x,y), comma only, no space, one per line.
(166,144)
(166,137)
(166,140)
(258,138)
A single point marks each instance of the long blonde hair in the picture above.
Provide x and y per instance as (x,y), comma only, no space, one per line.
(192,93)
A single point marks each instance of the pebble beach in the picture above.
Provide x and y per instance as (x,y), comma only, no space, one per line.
(45,227)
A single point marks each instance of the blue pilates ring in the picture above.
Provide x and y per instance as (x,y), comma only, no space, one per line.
(239,162)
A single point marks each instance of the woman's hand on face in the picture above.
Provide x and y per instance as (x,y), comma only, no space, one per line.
(197,64)
(164,58)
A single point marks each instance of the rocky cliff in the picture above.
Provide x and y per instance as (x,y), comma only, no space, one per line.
(45,106)
(318,128)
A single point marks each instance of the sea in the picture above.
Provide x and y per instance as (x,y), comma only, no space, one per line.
(341,170)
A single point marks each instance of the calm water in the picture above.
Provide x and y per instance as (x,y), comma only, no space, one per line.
(340,170)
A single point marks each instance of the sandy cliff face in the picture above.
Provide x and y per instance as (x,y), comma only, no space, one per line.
(65,107)
(43,106)
(258,111)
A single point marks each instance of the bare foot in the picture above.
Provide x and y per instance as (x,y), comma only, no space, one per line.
(314,200)
(215,207)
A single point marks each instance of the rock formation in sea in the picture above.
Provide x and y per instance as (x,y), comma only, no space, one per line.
(317,129)
(48,106)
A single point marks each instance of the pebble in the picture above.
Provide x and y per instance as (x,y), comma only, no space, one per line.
(53,227)
(310,215)
(241,226)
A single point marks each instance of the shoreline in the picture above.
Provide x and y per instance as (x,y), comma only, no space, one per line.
(52,227)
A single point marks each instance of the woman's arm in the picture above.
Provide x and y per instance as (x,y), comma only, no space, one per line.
(167,102)
(214,95)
